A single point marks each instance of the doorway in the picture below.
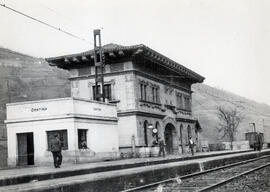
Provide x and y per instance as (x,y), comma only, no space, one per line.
(25,149)
(168,136)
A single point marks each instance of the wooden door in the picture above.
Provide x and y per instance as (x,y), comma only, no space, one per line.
(30,149)
(22,149)
(168,141)
(25,149)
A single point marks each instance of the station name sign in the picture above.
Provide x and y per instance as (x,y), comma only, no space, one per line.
(38,109)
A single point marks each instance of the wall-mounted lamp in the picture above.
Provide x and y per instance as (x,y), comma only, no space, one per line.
(150,126)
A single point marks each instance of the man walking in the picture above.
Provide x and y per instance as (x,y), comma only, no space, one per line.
(56,151)
(191,144)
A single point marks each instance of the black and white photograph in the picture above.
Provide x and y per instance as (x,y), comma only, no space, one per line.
(134,96)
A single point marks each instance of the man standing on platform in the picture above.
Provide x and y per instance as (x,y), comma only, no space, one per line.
(191,144)
(56,149)
(161,148)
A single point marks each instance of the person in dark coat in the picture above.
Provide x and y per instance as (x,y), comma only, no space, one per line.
(56,149)
(161,148)
(83,145)
(259,141)
(191,145)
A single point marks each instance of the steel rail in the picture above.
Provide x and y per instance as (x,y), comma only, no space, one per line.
(193,174)
(217,185)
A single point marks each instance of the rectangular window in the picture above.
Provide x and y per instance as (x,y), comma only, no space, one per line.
(187,103)
(180,101)
(143,88)
(62,136)
(108,92)
(142,94)
(153,94)
(94,92)
(189,131)
(145,92)
(157,95)
(82,138)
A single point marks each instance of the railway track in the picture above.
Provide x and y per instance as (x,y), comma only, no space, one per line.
(206,180)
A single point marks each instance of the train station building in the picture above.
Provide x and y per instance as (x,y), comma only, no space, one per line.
(148,98)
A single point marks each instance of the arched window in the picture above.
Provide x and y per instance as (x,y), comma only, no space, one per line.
(181,134)
(189,131)
(145,128)
(157,127)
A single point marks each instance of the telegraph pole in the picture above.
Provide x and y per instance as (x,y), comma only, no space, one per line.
(99,66)
(8,91)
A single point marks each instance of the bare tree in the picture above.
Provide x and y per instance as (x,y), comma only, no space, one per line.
(230,118)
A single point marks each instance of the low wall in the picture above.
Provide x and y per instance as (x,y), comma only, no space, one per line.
(76,156)
(229,160)
(146,176)
(124,176)
(123,180)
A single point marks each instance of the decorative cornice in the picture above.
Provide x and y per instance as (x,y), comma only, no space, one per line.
(105,75)
(152,105)
(67,116)
(112,51)
(171,107)
(140,113)
(183,111)
(185,120)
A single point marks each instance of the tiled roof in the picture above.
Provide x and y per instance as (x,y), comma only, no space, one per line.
(140,48)
(106,48)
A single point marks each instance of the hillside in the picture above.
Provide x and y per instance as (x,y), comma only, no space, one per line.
(206,99)
(25,78)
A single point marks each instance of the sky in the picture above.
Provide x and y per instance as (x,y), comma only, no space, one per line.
(226,41)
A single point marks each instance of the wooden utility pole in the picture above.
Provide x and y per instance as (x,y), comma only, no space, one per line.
(8,91)
(99,66)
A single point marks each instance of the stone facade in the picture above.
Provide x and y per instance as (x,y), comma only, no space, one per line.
(150,91)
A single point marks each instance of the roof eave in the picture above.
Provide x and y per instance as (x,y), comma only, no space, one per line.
(139,49)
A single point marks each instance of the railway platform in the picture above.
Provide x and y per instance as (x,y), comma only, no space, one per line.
(115,175)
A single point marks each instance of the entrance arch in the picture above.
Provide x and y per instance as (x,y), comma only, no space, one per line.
(168,137)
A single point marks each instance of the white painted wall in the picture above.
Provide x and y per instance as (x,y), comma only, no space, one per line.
(39,129)
(94,108)
(38,109)
(61,114)
(127,126)
(58,108)
(102,136)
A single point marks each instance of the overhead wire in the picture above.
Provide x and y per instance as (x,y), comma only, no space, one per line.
(69,19)
(44,23)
